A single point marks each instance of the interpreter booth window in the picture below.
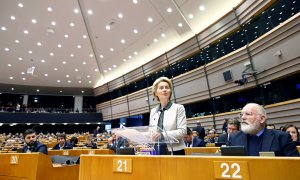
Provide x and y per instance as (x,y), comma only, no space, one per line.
(199,109)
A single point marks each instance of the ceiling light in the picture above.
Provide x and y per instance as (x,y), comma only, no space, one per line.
(101,56)
(58,81)
(135,31)
(72,24)
(123,41)
(53,23)
(67,75)
(43,61)
(23,79)
(30,52)
(9,65)
(91,55)
(129,57)
(11,77)
(135,53)
(155,40)
(6,49)
(55,69)
(51,54)
(50,30)
(124,60)
(79,82)
(169,10)
(107,27)
(64,62)
(12,17)
(65,123)
(59,45)
(90,12)
(37,90)
(76,11)
(114,66)
(180,25)
(76,70)
(83,62)
(201,8)
(105,71)
(69,81)
(96,70)
(135,1)
(191,16)
(26,31)
(3,28)
(163,35)
(88,76)
(20,59)
(72,55)
(90,82)
(46,75)
(12,89)
(150,19)
(20,5)
(17,41)
(82,91)
(66,36)
(78,46)
(120,15)
(39,43)
(111,49)
(109,69)
(76,123)
(49,9)
(84,36)
(33,21)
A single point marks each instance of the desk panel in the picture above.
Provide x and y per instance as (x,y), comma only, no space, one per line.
(78,152)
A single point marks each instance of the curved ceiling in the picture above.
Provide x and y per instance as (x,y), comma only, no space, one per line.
(86,43)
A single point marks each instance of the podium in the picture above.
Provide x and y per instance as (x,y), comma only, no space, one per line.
(146,137)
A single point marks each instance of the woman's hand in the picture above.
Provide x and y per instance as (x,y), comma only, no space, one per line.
(155,136)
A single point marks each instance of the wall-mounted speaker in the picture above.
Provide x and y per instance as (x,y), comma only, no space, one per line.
(227,76)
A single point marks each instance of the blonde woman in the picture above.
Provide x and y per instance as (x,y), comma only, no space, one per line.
(168,116)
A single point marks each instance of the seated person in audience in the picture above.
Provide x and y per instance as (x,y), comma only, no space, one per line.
(200,130)
(233,126)
(193,141)
(116,142)
(211,137)
(32,145)
(271,126)
(255,137)
(293,131)
(62,143)
(74,141)
(90,143)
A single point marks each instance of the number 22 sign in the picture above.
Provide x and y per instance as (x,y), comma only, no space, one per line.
(231,170)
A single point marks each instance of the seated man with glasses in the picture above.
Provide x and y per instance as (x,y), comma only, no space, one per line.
(255,137)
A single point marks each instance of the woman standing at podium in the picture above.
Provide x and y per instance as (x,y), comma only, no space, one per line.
(168,116)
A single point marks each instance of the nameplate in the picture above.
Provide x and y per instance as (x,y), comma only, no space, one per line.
(231,170)
(14,159)
(91,152)
(65,153)
(122,165)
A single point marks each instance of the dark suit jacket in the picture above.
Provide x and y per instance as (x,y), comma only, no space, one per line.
(201,131)
(273,141)
(38,147)
(197,142)
(66,146)
(223,138)
(121,142)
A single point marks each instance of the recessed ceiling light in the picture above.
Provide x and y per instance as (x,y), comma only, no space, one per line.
(129,57)
(12,17)
(33,21)
(17,41)
(78,46)
(53,23)
(67,75)
(169,10)
(26,31)
(82,91)
(124,60)
(135,31)
(61,92)
(90,82)
(155,40)
(23,79)
(3,28)
(150,19)
(120,15)
(109,69)
(46,75)
(84,36)
(96,70)
(69,81)
(111,49)
(37,90)
(88,76)
(163,35)
(43,60)
(105,71)
(12,89)
(101,56)
(39,43)
(6,49)
(72,55)
(66,36)
(30,52)
(9,65)
(23,73)
(59,45)
(76,11)
(58,81)
(11,77)
(114,66)
(64,62)
(180,25)
(72,24)
(123,41)
(51,54)
(49,9)
(107,27)
(135,53)
(79,81)
(135,1)
(83,62)
(55,69)
(20,59)
(191,16)
(76,70)
(90,12)
(20,5)
(201,8)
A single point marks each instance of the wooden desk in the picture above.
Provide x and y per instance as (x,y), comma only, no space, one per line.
(204,150)
(188,167)
(34,166)
(78,152)
(298,147)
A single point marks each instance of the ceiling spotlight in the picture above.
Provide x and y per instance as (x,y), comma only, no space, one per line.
(12,17)
(49,9)
(180,25)
(191,16)
(3,28)
(169,10)
(50,30)
(26,31)
(135,1)
(201,8)
(150,19)
(20,5)
(76,11)
(107,27)
(120,15)
(90,12)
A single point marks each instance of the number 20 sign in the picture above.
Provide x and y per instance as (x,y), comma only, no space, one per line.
(231,170)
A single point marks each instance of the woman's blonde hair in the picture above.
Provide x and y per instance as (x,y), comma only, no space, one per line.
(157,81)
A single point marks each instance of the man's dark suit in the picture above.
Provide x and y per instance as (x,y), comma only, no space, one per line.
(201,131)
(197,142)
(223,138)
(37,147)
(67,145)
(273,141)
